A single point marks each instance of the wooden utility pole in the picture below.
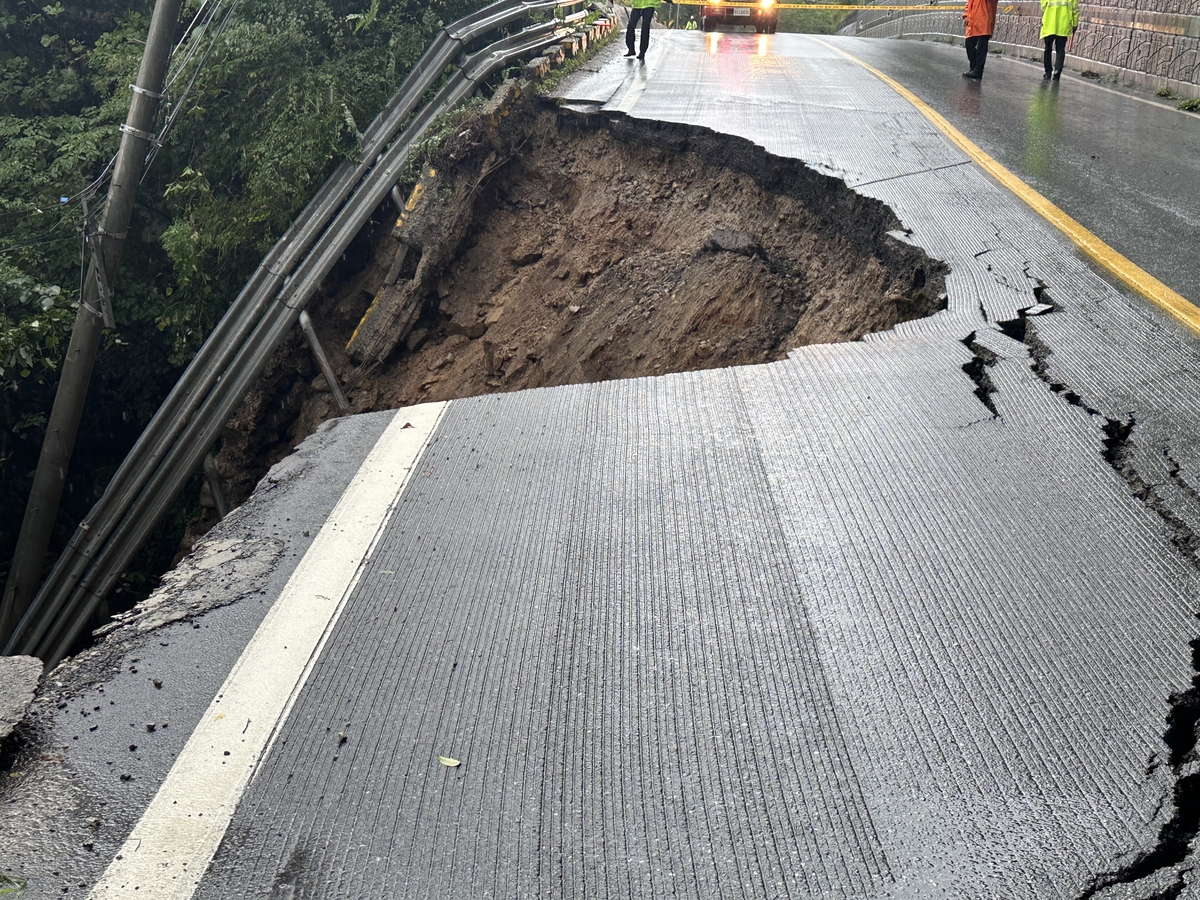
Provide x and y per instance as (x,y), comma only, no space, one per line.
(95,306)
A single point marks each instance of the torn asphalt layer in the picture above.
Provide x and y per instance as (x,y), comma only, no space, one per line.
(19,677)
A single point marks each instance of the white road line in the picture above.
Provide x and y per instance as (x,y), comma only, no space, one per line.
(172,845)
(641,78)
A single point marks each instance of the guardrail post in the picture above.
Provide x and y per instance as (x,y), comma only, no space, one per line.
(318,353)
(213,477)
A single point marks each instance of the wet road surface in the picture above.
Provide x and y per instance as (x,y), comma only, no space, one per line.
(1123,164)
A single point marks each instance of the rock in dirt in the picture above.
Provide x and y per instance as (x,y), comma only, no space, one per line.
(19,677)
(415,339)
(520,258)
(732,241)
(472,330)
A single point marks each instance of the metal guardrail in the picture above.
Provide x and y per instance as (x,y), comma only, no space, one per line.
(183,429)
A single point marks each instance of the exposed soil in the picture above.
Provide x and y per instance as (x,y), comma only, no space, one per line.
(573,248)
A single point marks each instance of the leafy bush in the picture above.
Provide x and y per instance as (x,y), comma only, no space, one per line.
(811,21)
(283,97)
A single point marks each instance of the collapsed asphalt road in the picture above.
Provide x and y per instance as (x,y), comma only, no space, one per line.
(904,617)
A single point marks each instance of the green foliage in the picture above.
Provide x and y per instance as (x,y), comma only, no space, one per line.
(1192,105)
(59,111)
(33,320)
(1163,92)
(812,21)
(11,884)
(284,96)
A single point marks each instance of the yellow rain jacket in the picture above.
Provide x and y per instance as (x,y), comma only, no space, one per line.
(1059,17)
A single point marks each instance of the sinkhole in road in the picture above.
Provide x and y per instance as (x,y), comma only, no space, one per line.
(558,247)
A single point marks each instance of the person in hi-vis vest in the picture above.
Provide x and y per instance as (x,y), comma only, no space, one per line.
(1060,18)
(979,20)
(643,10)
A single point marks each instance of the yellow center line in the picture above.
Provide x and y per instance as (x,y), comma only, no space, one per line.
(1132,275)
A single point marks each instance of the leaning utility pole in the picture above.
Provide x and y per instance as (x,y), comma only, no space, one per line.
(95,311)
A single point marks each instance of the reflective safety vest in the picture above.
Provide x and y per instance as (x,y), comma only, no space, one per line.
(643,4)
(1059,17)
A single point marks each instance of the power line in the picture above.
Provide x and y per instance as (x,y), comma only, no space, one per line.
(191,44)
(37,243)
(176,107)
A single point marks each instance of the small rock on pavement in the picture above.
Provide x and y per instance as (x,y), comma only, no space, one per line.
(19,677)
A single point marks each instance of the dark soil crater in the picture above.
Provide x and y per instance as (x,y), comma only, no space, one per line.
(558,247)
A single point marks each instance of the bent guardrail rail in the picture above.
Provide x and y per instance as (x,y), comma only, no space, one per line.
(214,383)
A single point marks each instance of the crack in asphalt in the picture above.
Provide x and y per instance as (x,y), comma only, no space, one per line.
(977,371)
(1176,475)
(1173,844)
(957,165)
(1119,455)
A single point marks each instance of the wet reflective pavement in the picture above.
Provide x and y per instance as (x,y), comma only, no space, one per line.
(1124,164)
(901,618)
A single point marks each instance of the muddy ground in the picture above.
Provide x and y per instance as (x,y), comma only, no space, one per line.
(575,247)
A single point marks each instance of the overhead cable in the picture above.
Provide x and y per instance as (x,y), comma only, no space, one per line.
(175,106)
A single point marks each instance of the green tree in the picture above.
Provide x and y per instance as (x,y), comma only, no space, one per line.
(282,98)
(812,21)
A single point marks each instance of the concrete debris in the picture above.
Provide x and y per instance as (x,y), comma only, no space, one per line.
(19,677)
(537,69)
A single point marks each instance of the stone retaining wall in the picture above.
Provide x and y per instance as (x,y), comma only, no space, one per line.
(1149,44)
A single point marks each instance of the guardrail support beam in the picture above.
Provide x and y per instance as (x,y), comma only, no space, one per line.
(318,353)
(213,477)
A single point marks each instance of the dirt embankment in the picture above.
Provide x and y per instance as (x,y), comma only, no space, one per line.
(569,248)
